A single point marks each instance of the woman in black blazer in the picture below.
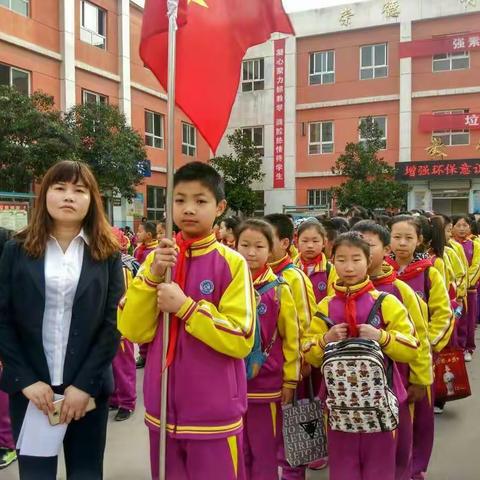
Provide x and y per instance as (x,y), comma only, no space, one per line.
(60,283)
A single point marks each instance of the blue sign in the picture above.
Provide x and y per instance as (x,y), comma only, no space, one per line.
(145,168)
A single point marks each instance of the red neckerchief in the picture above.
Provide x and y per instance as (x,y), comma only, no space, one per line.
(281,266)
(386,280)
(350,306)
(180,279)
(412,270)
(139,251)
(260,273)
(309,263)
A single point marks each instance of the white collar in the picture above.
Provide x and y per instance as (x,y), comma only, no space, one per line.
(81,235)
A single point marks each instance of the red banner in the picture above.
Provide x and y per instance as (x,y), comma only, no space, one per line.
(279,115)
(435,46)
(439,169)
(456,121)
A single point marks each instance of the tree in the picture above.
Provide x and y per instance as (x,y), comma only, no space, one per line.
(32,138)
(114,150)
(370,180)
(239,170)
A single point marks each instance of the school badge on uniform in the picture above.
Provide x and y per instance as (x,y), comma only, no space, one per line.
(262,309)
(207,287)
(322,286)
(376,321)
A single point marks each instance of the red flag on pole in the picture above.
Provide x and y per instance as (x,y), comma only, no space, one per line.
(210,47)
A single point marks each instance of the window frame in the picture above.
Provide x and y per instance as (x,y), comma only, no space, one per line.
(452,133)
(97,95)
(374,66)
(159,212)
(318,192)
(151,135)
(9,7)
(451,57)
(10,76)
(251,132)
(321,143)
(92,32)
(385,132)
(321,73)
(185,142)
(253,81)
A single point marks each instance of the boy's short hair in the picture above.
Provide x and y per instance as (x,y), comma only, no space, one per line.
(203,173)
(369,226)
(151,228)
(282,224)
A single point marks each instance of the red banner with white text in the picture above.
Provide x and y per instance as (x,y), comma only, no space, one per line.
(279,115)
(457,121)
(435,46)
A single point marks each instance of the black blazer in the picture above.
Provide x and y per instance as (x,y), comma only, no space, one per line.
(93,339)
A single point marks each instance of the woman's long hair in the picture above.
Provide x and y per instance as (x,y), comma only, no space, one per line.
(102,242)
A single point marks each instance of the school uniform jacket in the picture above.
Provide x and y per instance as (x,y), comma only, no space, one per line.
(207,394)
(142,251)
(430,287)
(421,372)
(397,331)
(302,291)
(470,255)
(321,281)
(459,271)
(276,310)
(93,336)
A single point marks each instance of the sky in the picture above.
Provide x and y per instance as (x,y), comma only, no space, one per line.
(296,5)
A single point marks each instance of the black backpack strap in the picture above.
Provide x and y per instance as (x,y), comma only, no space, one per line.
(328,269)
(375,308)
(327,320)
(426,281)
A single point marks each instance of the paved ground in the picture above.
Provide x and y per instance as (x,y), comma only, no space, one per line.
(456,455)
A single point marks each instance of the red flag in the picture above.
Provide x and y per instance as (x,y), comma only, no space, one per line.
(210,49)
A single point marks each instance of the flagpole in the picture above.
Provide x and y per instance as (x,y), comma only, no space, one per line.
(172,12)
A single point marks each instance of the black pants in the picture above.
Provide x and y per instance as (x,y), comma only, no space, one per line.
(83,445)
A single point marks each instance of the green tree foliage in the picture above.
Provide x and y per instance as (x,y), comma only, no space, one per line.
(239,170)
(113,149)
(370,181)
(32,138)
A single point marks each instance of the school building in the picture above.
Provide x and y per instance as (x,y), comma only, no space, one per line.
(87,51)
(352,61)
(413,65)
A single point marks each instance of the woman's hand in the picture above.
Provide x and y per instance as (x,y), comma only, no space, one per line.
(165,257)
(336,333)
(287,395)
(74,404)
(41,395)
(368,332)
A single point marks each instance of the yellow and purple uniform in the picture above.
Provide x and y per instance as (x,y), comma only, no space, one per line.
(207,387)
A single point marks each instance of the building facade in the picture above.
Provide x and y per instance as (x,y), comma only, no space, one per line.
(87,51)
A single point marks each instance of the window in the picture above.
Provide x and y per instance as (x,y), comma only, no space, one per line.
(382,124)
(154,136)
(373,61)
(259,203)
(155,203)
(318,198)
(445,62)
(322,68)
(189,140)
(19,6)
(93,25)
(255,134)
(452,137)
(253,75)
(92,97)
(320,138)
(15,77)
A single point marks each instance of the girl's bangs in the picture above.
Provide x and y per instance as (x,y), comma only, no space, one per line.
(68,172)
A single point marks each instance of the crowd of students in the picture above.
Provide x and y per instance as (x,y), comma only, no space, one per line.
(308,284)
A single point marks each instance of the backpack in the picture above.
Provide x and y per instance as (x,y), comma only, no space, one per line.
(259,355)
(359,395)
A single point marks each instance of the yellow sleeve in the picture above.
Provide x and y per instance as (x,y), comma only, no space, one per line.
(439,264)
(303,296)
(289,332)
(228,328)
(398,340)
(421,372)
(137,315)
(474,268)
(459,271)
(313,346)
(441,319)
(332,278)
